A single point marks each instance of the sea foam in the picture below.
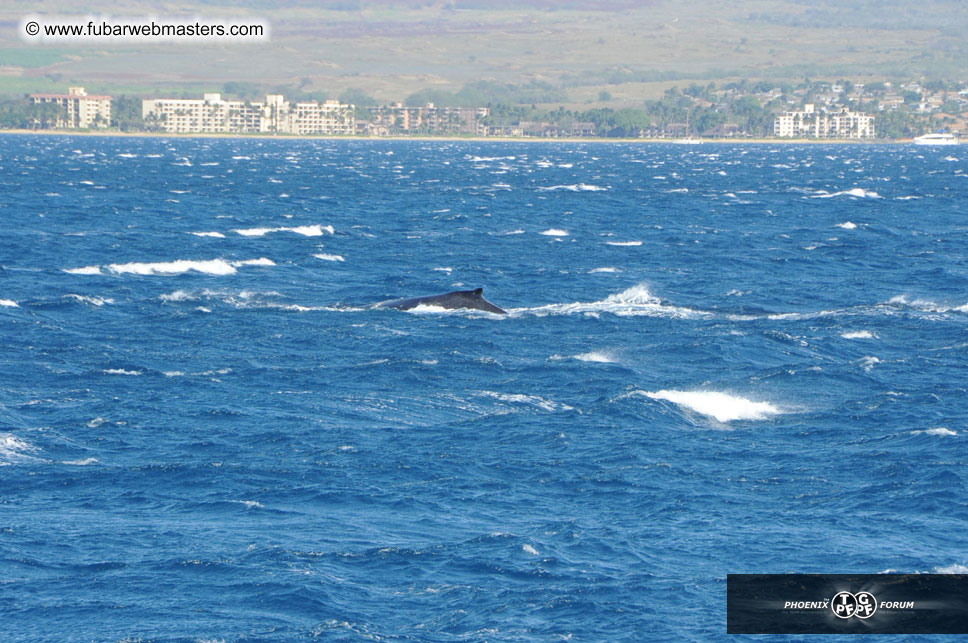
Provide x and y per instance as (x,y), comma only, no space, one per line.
(13,449)
(632,302)
(721,406)
(180,266)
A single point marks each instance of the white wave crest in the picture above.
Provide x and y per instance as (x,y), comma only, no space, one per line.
(86,270)
(555,232)
(847,225)
(212,267)
(120,371)
(261,261)
(576,187)
(598,357)
(721,406)
(327,257)
(952,569)
(529,400)
(859,334)
(81,463)
(254,232)
(316,230)
(93,301)
(926,305)
(624,243)
(9,303)
(936,431)
(178,295)
(857,193)
(488,159)
(635,301)
(216,235)
(13,449)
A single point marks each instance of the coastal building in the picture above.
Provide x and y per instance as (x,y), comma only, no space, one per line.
(429,119)
(80,108)
(810,123)
(274,115)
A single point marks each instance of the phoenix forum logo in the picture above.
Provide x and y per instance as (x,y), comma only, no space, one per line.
(846,605)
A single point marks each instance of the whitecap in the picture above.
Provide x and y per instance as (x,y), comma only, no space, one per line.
(847,225)
(936,431)
(81,463)
(13,449)
(86,270)
(94,301)
(254,232)
(328,257)
(624,243)
(721,406)
(529,400)
(634,301)
(120,371)
(9,303)
(261,261)
(488,159)
(857,193)
(217,235)
(178,295)
(250,504)
(858,334)
(596,356)
(211,267)
(309,230)
(554,232)
(576,187)
(952,569)
(306,230)
(605,269)
(868,363)
(528,549)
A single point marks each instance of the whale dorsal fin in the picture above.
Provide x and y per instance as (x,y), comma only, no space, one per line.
(478,292)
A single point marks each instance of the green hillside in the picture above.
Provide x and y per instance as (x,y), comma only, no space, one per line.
(622,53)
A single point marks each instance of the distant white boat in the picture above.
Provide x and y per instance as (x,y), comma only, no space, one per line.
(940,138)
(689,139)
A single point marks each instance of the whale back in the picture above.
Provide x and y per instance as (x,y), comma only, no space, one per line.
(468,299)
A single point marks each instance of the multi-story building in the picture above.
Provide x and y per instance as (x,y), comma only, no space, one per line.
(429,119)
(329,117)
(810,123)
(80,108)
(274,115)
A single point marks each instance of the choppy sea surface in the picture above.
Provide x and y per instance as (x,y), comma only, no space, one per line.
(717,359)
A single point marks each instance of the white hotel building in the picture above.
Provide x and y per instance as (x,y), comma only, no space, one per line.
(810,123)
(80,108)
(274,115)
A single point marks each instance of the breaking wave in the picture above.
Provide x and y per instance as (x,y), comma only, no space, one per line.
(180,266)
(720,406)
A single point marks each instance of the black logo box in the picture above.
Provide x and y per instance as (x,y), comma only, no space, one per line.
(801,603)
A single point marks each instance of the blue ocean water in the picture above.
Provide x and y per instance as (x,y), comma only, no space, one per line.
(717,359)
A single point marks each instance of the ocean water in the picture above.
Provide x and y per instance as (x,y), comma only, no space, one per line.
(720,359)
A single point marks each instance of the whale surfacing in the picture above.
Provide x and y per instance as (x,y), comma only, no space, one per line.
(469,299)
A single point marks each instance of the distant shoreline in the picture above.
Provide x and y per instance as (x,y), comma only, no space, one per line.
(452,139)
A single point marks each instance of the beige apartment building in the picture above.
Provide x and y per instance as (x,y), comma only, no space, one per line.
(275,115)
(810,123)
(81,109)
